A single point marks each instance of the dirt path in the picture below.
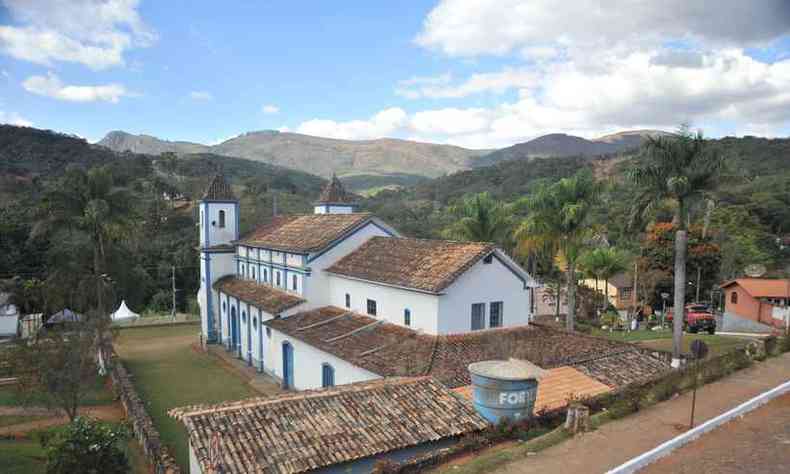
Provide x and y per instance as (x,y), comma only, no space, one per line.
(620,440)
(112,412)
(755,444)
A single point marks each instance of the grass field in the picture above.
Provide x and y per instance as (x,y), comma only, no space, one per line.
(98,394)
(21,457)
(168,374)
(716,344)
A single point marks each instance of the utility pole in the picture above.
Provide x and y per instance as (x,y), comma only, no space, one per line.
(173,280)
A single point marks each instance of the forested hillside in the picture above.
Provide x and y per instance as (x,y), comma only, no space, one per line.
(50,185)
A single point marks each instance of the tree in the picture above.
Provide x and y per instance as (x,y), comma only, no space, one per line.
(602,264)
(681,168)
(92,211)
(89,446)
(480,218)
(557,221)
(58,367)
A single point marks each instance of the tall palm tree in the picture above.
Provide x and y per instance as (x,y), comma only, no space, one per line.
(680,168)
(88,204)
(557,221)
(481,218)
(603,263)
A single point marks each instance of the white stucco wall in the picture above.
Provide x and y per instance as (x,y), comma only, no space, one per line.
(194,465)
(209,212)
(390,302)
(317,290)
(307,363)
(220,264)
(483,283)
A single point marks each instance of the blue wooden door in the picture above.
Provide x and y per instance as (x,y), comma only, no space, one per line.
(234,329)
(288,365)
(249,340)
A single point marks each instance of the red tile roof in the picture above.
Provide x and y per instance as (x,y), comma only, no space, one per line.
(390,350)
(298,432)
(219,190)
(763,287)
(423,264)
(265,297)
(304,233)
(335,193)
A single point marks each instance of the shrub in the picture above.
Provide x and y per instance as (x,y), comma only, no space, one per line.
(86,445)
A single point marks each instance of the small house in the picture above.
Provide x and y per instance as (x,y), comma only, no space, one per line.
(755,304)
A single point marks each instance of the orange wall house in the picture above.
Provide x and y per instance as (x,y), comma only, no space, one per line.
(751,304)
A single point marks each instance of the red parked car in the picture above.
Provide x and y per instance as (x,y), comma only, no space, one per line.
(698,317)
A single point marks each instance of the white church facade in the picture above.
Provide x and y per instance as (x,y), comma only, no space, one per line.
(343,275)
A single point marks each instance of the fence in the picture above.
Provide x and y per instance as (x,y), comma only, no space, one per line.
(142,425)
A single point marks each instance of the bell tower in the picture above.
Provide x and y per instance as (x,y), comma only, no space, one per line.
(335,199)
(219,228)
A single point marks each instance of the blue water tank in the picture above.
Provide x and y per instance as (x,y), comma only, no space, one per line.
(505,389)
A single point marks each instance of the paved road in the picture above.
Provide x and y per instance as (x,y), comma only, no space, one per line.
(758,443)
(616,442)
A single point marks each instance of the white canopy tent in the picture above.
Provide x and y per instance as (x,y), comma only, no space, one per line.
(123,313)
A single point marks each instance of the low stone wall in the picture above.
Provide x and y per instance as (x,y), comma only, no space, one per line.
(142,425)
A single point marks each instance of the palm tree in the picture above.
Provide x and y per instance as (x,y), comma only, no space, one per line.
(90,205)
(680,168)
(557,222)
(480,218)
(603,263)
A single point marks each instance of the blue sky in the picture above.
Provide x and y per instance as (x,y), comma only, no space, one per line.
(472,73)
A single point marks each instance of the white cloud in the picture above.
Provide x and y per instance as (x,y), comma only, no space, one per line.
(620,93)
(201,95)
(95,33)
(270,109)
(442,87)
(51,86)
(14,119)
(470,28)
(385,123)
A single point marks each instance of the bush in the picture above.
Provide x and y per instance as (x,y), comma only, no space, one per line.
(86,445)
(161,302)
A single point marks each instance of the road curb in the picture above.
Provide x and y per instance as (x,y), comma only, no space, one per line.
(667,447)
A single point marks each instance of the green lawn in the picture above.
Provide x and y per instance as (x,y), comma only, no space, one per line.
(716,344)
(168,374)
(633,336)
(98,394)
(21,457)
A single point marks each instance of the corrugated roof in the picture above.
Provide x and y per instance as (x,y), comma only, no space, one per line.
(219,190)
(391,350)
(423,264)
(762,287)
(304,233)
(335,193)
(265,297)
(298,432)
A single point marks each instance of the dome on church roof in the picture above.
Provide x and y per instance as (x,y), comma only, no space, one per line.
(335,193)
(219,190)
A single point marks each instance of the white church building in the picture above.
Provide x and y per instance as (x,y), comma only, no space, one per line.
(319,299)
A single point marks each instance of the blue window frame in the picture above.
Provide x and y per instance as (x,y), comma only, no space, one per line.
(327,375)
(253,272)
(244,316)
(495,318)
(278,278)
(348,300)
(294,281)
(265,276)
(478,316)
(407,317)
(222,218)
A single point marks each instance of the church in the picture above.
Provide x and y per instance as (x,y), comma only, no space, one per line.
(339,296)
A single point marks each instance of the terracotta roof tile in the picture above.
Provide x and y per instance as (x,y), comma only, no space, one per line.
(304,233)
(335,193)
(219,190)
(423,264)
(269,299)
(297,432)
(763,287)
(390,350)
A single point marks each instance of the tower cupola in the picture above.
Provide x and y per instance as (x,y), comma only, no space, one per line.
(335,199)
(219,214)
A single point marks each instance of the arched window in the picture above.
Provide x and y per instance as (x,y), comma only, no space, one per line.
(294,282)
(253,272)
(244,316)
(223,306)
(265,276)
(327,375)
(734,297)
(255,323)
(407,317)
(222,218)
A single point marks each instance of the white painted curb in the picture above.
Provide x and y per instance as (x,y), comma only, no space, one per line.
(664,449)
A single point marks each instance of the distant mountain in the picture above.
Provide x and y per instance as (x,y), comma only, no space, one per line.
(316,155)
(560,144)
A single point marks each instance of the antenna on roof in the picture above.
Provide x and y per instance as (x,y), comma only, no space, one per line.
(755,270)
